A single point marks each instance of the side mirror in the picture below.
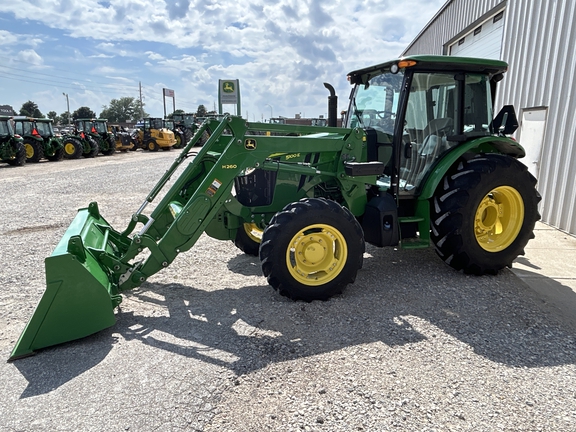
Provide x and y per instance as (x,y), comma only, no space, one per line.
(506,121)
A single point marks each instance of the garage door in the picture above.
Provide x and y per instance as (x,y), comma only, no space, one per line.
(485,41)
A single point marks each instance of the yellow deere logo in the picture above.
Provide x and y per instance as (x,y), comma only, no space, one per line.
(228,87)
(250,144)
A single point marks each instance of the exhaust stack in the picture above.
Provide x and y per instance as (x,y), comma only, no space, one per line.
(332,106)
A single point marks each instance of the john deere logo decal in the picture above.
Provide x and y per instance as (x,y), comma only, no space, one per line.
(228,87)
(250,144)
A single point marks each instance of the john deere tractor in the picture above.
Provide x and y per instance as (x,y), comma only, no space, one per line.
(188,124)
(39,139)
(105,139)
(153,135)
(11,145)
(80,142)
(179,134)
(420,161)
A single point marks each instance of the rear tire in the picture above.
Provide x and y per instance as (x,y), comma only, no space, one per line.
(483,213)
(34,150)
(312,249)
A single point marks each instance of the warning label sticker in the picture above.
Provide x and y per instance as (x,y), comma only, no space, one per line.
(213,188)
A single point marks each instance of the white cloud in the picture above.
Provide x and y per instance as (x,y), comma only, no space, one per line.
(281,50)
(30,56)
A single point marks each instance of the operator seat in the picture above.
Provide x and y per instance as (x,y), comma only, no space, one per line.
(423,155)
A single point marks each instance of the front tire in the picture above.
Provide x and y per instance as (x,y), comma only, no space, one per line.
(72,148)
(152,145)
(312,249)
(19,158)
(484,213)
(94,148)
(248,238)
(58,155)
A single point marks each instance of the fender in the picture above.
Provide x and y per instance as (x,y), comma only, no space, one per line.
(489,144)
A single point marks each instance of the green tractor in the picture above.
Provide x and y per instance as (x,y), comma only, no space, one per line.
(105,139)
(186,123)
(11,145)
(420,161)
(40,140)
(179,134)
(80,141)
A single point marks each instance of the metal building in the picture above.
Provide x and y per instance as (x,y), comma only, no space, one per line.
(538,40)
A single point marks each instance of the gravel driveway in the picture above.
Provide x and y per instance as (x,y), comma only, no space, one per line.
(207,345)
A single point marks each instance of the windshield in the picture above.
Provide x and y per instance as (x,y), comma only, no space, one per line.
(100,127)
(375,104)
(44,129)
(5,128)
(168,124)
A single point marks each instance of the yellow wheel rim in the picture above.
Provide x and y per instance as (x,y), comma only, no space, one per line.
(499,219)
(316,255)
(29,150)
(253,232)
(69,148)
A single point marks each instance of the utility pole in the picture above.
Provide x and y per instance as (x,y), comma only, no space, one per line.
(141,109)
(67,106)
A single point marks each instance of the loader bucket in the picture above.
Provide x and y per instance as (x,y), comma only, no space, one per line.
(79,299)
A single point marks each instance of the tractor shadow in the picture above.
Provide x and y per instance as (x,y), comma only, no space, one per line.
(399,298)
(248,328)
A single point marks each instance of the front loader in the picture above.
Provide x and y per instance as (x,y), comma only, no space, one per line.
(420,161)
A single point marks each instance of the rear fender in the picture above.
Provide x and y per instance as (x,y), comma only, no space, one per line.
(491,144)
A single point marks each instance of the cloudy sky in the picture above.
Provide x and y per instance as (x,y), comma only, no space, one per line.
(282,51)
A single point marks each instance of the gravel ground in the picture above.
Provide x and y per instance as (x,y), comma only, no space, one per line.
(207,345)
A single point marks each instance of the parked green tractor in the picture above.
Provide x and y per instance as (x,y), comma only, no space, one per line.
(179,134)
(421,161)
(105,139)
(80,141)
(39,139)
(186,123)
(11,145)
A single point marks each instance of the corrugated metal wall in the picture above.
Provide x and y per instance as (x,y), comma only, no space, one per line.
(452,19)
(540,46)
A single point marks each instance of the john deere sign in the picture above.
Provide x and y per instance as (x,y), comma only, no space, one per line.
(229,94)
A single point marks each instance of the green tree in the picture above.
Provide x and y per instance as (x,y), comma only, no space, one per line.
(52,115)
(83,112)
(122,110)
(178,111)
(30,109)
(64,118)
(201,111)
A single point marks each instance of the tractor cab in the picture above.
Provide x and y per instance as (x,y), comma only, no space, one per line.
(416,109)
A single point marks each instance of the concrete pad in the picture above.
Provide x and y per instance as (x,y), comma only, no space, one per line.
(549,269)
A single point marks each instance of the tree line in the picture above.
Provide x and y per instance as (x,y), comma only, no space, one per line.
(123,110)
